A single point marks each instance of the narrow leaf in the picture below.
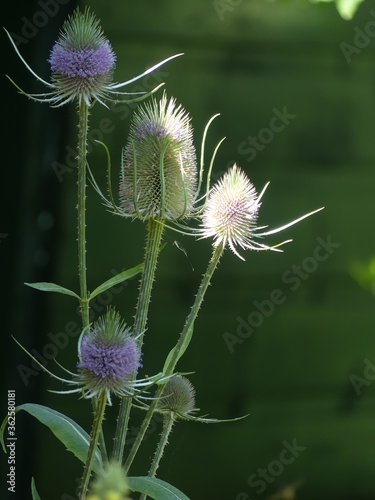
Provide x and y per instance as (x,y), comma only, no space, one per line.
(64,428)
(119,278)
(155,488)
(52,287)
(34,493)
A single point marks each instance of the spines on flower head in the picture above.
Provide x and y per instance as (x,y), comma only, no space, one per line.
(178,397)
(231,214)
(82,63)
(82,60)
(109,357)
(159,168)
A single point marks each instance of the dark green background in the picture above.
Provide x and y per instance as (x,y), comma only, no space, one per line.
(293,374)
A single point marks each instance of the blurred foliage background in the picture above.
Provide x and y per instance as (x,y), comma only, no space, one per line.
(302,374)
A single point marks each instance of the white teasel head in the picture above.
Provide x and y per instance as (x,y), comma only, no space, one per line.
(230,215)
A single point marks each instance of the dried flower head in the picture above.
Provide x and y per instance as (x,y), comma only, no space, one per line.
(82,64)
(109,358)
(159,168)
(178,397)
(231,214)
(111,484)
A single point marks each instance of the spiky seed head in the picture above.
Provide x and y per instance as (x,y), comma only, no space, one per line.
(231,213)
(109,357)
(82,60)
(178,397)
(159,167)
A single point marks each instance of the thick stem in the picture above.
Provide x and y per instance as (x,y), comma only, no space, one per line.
(167,428)
(177,351)
(94,438)
(154,237)
(155,232)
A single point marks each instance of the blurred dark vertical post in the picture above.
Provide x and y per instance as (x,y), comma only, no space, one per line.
(33,137)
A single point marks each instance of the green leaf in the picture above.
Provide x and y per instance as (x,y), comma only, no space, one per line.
(119,278)
(182,349)
(34,493)
(155,488)
(52,287)
(346,8)
(64,428)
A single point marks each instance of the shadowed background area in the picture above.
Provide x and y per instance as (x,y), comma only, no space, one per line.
(287,338)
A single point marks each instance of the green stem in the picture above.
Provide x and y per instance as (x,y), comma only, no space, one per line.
(154,237)
(167,428)
(83,125)
(218,251)
(81,206)
(94,438)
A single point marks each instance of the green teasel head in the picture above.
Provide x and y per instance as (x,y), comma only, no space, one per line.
(178,398)
(159,173)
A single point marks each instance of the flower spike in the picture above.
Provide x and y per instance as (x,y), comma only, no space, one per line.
(109,359)
(82,64)
(159,167)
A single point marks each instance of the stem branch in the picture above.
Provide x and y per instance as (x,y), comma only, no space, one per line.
(177,351)
(167,428)
(94,438)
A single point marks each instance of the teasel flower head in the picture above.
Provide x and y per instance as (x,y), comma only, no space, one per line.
(82,60)
(109,358)
(178,402)
(159,167)
(230,215)
(178,398)
(111,484)
(82,64)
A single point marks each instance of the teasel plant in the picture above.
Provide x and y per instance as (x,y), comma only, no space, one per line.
(82,65)
(156,185)
(162,186)
(159,185)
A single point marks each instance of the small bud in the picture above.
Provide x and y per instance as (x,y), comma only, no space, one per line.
(178,397)
(159,168)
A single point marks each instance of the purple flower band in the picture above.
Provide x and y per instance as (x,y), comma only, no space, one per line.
(85,63)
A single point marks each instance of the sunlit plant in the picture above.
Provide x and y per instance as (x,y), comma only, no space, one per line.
(163,185)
